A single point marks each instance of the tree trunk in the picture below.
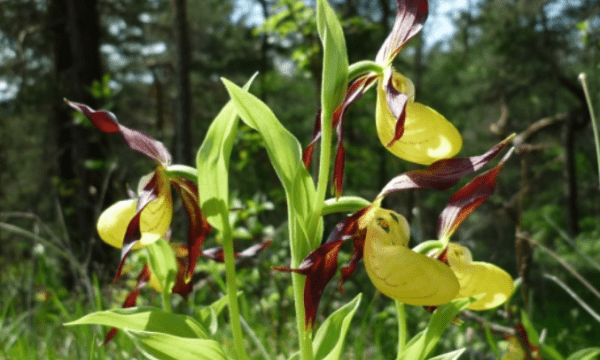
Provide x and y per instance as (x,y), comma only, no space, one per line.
(183,137)
(76,42)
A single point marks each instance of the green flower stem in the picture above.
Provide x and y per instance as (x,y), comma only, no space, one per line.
(348,204)
(184,171)
(298,253)
(324,165)
(234,311)
(592,118)
(363,67)
(402,335)
(166,300)
(304,334)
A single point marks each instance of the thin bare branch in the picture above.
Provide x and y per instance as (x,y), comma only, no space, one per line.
(570,241)
(568,267)
(575,297)
(505,330)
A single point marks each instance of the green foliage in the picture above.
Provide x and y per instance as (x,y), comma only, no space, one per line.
(585,354)
(329,338)
(170,347)
(508,59)
(335,58)
(212,162)
(423,343)
(148,319)
(163,265)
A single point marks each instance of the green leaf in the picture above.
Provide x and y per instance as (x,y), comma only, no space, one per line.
(424,342)
(163,264)
(212,162)
(585,354)
(491,341)
(452,355)
(285,154)
(145,318)
(329,339)
(166,347)
(550,353)
(209,314)
(303,196)
(282,147)
(335,57)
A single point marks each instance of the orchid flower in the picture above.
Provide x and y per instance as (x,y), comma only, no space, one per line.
(410,130)
(381,237)
(492,283)
(134,223)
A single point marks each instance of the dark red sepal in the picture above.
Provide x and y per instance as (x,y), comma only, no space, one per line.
(217,254)
(338,170)
(442,174)
(183,286)
(467,199)
(358,246)
(106,122)
(321,264)
(410,16)
(308,151)
(199,228)
(355,92)
(131,299)
(396,102)
(133,234)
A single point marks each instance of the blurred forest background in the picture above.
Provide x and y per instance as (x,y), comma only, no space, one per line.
(503,66)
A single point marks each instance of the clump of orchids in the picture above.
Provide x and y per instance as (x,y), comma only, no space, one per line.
(436,273)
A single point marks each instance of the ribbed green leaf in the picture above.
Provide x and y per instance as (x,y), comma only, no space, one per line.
(329,339)
(452,355)
(285,155)
(209,314)
(212,162)
(162,263)
(145,318)
(585,354)
(282,147)
(424,342)
(335,57)
(169,347)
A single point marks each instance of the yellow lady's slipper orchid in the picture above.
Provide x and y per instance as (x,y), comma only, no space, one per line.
(399,272)
(479,278)
(380,237)
(134,223)
(475,278)
(154,220)
(427,135)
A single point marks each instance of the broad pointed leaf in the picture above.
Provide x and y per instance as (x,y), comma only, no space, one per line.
(163,264)
(170,347)
(329,338)
(131,299)
(423,343)
(146,318)
(335,58)
(585,354)
(452,355)
(212,162)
